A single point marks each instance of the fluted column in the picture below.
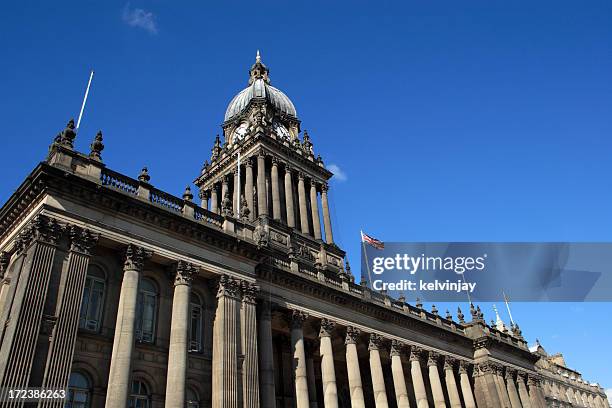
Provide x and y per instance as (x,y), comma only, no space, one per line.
(226,327)
(299,359)
(451,384)
(214,199)
(266,357)
(303,207)
(328,373)
(466,387)
(63,340)
(498,373)
(352,368)
(522,390)
(416,373)
(179,336)
(434,380)
(329,237)
(515,401)
(590,400)
(262,199)
(486,387)
(250,367)
(248,187)
(204,198)
(289,197)
(123,344)
(399,382)
(378,379)
(314,207)
(534,396)
(276,204)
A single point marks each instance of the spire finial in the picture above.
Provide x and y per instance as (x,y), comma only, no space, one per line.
(258,57)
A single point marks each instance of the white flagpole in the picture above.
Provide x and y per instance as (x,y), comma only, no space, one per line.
(238,192)
(84,101)
(508,307)
(365,254)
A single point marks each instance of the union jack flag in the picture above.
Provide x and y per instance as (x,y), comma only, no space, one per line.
(376,243)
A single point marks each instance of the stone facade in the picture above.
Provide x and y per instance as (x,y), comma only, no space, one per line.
(130,296)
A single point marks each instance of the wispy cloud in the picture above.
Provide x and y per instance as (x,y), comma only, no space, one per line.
(609,393)
(140,18)
(338,173)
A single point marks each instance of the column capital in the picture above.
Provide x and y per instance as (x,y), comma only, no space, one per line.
(288,167)
(375,342)
(184,273)
(228,286)
(4,262)
(533,380)
(510,373)
(301,175)
(204,194)
(249,292)
(432,359)
(327,326)
(324,187)
(352,335)
(396,348)
(463,367)
(135,257)
(297,318)
(521,375)
(41,228)
(82,240)
(261,153)
(416,353)
(449,363)
(275,161)
(235,172)
(249,161)
(225,179)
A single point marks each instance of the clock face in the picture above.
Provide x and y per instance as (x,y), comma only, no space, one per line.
(240,132)
(281,131)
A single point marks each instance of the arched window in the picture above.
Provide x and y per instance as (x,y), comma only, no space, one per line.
(146,313)
(139,398)
(195,324)
(78,391)
(93,300)
(192,400)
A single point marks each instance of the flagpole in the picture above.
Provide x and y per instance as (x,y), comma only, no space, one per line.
(84,100)
(508,306)
(365,254)
(467,292)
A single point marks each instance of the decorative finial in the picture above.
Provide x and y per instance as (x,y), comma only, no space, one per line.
(419,304)
(348,268)
(66,138)
(460,315)
(434,310)
(96,147)
(402,298)
(258,57)
(187,195)
(448,315)
(144,175)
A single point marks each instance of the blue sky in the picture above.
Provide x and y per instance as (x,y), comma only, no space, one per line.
(481,120)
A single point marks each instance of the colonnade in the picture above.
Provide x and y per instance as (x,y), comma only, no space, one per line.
(274,188)
(566,394)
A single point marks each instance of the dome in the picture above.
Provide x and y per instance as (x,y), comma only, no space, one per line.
(259,87)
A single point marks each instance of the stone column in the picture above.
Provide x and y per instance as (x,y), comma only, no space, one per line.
(329,238)
(262,199)
(250,371)
(214,199)
(434,380)
(314,206)
(37,244)
(123,343)
(451,384)
(225,378)
(289,197)
(236,197)
(63,340)
(224,187)
(420,394)
(522,390)
(276,204)
(248,187)
(486,386)
(515,401)
(204,198)
(352,368)
(498,373)
(466,387)
(179,336)
(328,373)
(303,207)
(5,282)
(399,382)
(312,391)
(534,396)
(299,359)
(266,357)
(590,400)
(378,379)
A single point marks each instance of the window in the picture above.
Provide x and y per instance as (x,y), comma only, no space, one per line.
(93,300)
(195,324)
(139,398)
(191,398)
(146,312)
(78,391)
